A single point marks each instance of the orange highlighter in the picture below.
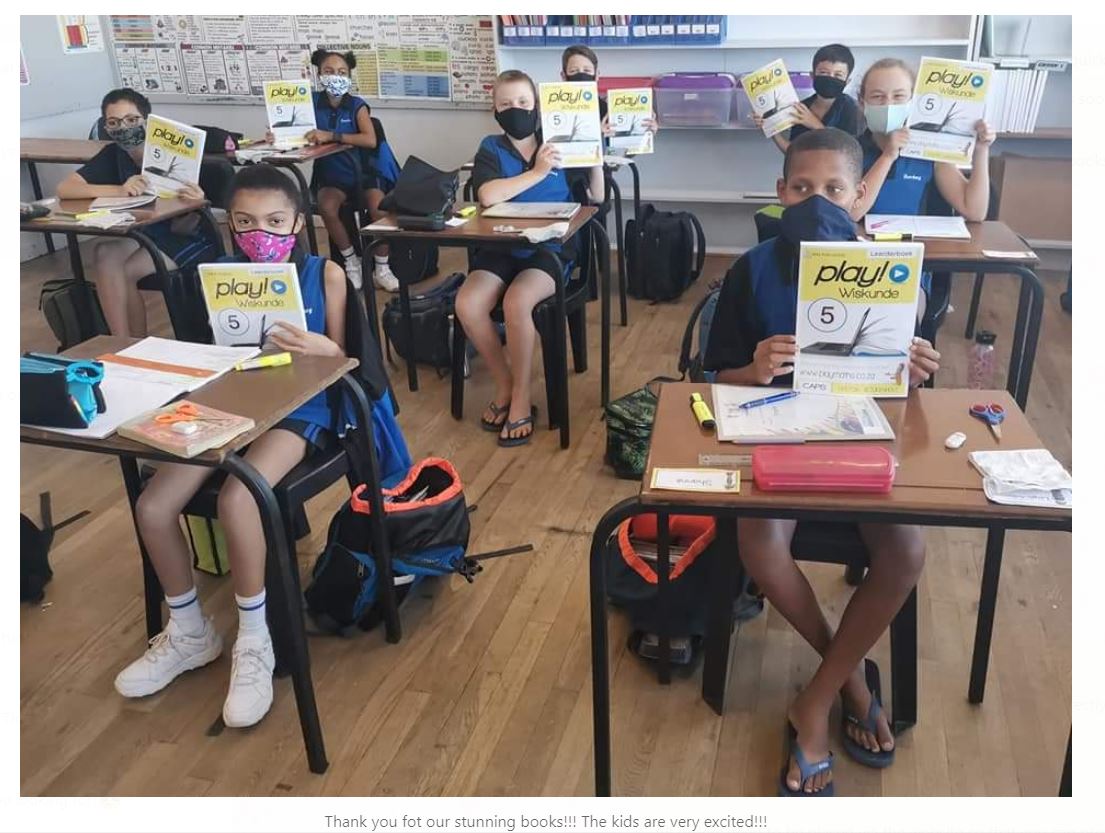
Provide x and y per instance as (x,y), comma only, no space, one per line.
(702,411)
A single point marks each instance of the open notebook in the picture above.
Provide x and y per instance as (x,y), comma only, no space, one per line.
(804,418)
(533,210)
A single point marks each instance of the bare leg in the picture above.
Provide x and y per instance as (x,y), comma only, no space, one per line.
(273,454)
(158,516)
(330,201)
(526,291)
(137,266)
(372,197)
(477,297)
(112,285)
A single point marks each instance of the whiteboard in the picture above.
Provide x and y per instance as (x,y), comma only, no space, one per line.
(402,60)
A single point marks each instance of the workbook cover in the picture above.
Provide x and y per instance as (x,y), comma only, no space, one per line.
(291,112)
(773,96)
(628,111)
(172,155)
(570,121)
(857,312)
(245,300)
(185,429)
(948,99)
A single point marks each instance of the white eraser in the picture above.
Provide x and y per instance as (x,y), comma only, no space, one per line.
(185,428)
(955,440)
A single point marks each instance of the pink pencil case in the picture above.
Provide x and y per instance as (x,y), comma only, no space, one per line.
(823,467)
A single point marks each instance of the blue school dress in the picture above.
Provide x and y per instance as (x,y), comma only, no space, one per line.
(379,167)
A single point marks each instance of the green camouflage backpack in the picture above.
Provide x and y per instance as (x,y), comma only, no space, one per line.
(628,429)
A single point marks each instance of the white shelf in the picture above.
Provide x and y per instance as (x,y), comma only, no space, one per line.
(783,43)
(703,197)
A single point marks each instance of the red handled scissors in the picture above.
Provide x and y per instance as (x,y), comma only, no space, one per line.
(992,414)
(184,412)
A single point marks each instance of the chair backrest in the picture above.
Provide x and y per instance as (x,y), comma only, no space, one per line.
(99,131)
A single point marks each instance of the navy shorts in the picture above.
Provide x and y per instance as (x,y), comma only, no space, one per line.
(507,266)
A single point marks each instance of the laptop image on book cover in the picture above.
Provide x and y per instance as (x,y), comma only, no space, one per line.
(838,348)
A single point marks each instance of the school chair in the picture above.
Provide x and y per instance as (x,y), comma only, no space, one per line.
(768,221)
(567,307)
(826,543)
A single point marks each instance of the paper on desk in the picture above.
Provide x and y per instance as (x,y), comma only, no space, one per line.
(697,480)
(1031,477)
(108,220)
(453,222)
(552,231)
(381,225)
(952,228)
(807,417)
(167,354)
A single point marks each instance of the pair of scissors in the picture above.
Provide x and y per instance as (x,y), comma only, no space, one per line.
(184,412)
(992,414)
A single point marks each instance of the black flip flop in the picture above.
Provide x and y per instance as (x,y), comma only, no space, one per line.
(511,442)
(497,410)
(858,753)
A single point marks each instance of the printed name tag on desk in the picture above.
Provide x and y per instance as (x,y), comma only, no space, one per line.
(713,481)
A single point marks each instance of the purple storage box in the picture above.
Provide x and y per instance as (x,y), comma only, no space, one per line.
(695,99)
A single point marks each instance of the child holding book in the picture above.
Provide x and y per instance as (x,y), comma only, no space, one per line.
(116,171)
(516,166)
(580,63)
(265,215)
(829,106)
(901,185)
(346,119)
(752,342)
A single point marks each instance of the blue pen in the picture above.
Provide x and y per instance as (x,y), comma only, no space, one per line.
(769,400)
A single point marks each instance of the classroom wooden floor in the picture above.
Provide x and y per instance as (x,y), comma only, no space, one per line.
(489,691)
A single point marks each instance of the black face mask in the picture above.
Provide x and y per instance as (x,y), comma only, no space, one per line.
(817,219)
(579,76)
(827,86)
(517,123)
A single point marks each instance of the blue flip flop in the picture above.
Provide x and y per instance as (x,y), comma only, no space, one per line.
(512,442)
(806,770)
(861,754)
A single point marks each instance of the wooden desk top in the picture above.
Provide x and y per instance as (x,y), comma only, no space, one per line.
(155,212)
(930,479)
(480,229)
(991,235)
(308,153)
(75,151)
(266,396)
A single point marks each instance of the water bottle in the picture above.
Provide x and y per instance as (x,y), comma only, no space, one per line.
(980,364)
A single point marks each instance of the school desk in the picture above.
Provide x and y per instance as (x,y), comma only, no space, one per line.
(966,257)
(267,397)
(933,487)
(54,151)
(480,231)
(180,299)
(292,160)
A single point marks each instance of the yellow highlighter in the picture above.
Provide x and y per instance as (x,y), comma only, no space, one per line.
(467,211)
(701,411)
(271,360)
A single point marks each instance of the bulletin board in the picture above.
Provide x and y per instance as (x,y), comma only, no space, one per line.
(403,60)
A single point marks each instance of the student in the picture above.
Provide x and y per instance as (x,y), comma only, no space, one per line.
(345,118)
(515,165)
(265,215)
(752,342)
(900,185)
(829,106)
(116,171)
(580,63)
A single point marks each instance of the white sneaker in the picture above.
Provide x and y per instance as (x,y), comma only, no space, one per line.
(171,653)
(250,694)
(383,277)
(353,271)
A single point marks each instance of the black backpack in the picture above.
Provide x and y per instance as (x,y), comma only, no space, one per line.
(34,550)
(665,251)
(432,322)
(72,309)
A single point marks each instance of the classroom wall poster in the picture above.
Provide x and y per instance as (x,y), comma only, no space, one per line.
(277,63)
(948,99)
(133,28)
(857,310)
(322,28)
(215,70)
(24,73)
(270,29)
(150,68)
(225,29)
(178,28)
(80,33)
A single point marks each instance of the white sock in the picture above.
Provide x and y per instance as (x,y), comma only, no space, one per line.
(185,610)
(348,252)
(380,260)
(251,614)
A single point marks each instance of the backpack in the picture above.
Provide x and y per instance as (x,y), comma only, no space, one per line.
(702,316)
(628,430)
(665,251)
(34,550)
(432,323)
(412,260)
(426,528)
(72,309)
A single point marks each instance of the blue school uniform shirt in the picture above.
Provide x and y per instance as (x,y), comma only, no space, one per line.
(497,158)
(378,166)
(906,184)
(843,114)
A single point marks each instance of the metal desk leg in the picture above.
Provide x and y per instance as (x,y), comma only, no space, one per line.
(903,657)
(987,605)
(408,327)
(604,299)
(600,661)
(1035,316)
(75,262)
(725,574)
(285,604)
(36,189)
(151,585)
(619,235)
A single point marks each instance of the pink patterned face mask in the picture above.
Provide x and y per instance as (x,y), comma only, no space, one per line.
(262,246)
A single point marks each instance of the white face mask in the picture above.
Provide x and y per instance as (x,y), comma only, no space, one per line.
(336,85)
(886,118)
